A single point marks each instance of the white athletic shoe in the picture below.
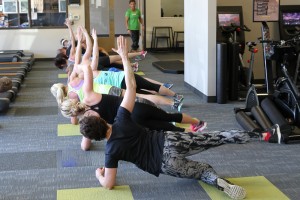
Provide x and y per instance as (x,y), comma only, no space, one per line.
(233,191)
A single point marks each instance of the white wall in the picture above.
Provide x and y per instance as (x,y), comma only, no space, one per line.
(200,45)
(42,42)
(153,18)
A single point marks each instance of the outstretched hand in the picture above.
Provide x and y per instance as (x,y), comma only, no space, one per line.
(79,34)
(67,22)
(94,34)
(122,47)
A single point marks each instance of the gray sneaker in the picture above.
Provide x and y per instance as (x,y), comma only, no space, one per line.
(276,134)
(177,105)
(178,97)
(233,191)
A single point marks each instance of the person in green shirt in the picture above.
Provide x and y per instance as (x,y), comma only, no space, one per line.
(133,20)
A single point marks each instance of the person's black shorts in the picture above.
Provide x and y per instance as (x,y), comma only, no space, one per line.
(104,62)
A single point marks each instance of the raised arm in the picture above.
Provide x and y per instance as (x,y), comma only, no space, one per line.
(130,94)
(95,58)
(72,38)
(89,45)
(78,48)
(90,97)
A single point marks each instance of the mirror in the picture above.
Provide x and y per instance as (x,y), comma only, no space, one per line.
(172,8)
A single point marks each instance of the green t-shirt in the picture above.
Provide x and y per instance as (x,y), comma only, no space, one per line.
(133,19)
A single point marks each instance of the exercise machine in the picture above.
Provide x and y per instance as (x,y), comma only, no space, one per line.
(231,39)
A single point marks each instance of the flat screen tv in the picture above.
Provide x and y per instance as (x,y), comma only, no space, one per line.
(229,19)
(291,18)
(266,10)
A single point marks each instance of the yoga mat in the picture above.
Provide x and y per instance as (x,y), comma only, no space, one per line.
(68,130)
(62,75)
(185,126)
(257,187)
(140,73)
(99,193)
(170,66)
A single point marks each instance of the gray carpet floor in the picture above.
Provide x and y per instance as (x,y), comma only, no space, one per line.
(35,162)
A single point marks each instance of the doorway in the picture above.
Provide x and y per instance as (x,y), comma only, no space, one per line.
(107,17)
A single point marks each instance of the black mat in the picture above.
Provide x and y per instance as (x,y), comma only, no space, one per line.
(170,66)
(38,111)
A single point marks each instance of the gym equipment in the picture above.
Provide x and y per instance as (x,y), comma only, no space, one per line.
(261,118)
(16,58)
(275,116)
(247,122)
(22,65)
(221,73)
(4,102)
(10,51)
(19,53)
(287,95)
(231,31)
(253,98)
(235,65)
(10,58)
(171,66)
(289,25)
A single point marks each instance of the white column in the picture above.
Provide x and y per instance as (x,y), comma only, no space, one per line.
(200,47)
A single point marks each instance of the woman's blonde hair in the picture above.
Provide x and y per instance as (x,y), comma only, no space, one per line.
(71,108)
(59,91)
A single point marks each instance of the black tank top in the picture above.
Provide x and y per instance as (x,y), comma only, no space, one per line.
(108,107)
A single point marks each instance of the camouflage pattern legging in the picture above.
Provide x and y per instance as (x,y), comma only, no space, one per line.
(179,145)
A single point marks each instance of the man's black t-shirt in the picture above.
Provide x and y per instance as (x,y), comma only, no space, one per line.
(133,143)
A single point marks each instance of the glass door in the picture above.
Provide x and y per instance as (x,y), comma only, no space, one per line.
(108,18)
(101,18)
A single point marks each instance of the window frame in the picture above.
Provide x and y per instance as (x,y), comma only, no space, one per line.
(52,18)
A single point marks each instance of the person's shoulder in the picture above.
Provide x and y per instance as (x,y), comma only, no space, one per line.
(127,11)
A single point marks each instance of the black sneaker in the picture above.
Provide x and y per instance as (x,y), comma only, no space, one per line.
(233,191)
(276,136)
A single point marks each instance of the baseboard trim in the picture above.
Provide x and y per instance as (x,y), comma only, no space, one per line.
(207,99)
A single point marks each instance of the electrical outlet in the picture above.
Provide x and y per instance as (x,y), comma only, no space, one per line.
(76,17)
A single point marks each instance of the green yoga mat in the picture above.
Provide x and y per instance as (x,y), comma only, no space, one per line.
(185,126)
(68,130)
(257,187)
(99,193)
(62,75)
(140,73)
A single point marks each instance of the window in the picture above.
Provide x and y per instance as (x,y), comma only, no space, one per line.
(32,13)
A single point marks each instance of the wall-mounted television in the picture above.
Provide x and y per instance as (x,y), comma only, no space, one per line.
(229,19)
(291,18)
(266,10)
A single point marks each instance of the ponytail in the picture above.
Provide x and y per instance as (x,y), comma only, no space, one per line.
(71,108)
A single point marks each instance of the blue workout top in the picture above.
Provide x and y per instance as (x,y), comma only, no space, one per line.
(110,78)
